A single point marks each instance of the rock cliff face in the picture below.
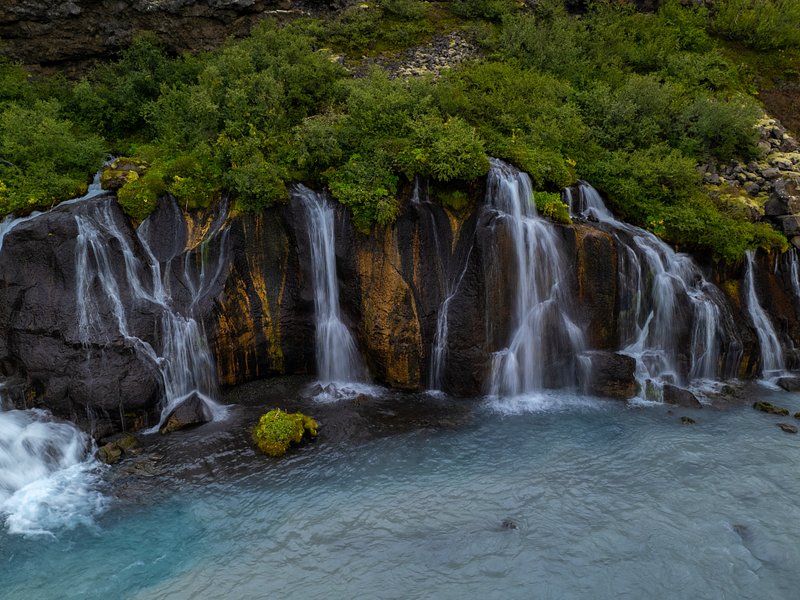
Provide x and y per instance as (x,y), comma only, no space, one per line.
(72,34)
(247,280)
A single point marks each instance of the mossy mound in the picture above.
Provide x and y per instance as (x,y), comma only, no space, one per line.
(277,430)
(121,171)
(770,408)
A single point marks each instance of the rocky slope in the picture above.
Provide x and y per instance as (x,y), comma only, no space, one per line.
(70,35)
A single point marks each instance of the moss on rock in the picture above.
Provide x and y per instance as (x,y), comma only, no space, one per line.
(770,408)
(277,430)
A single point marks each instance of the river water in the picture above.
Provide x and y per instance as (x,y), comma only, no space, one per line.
(609,500)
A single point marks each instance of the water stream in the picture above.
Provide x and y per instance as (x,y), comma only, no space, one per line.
(184,360)
(337,356)
(662,293)
(608,502)
(772,364)
(545,342)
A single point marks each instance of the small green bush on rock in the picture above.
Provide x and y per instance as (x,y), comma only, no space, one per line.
(277,430)
(550,205)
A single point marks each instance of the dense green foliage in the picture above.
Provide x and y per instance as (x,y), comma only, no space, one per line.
(631,102)
(277,430)
(761,24)
(44,158)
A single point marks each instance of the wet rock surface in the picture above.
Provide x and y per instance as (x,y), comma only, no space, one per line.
(680,397)
(189,413)
(223,450)
(612,375)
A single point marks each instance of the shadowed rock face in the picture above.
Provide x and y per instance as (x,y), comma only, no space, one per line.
(92,383)
(256,303)
(75,33)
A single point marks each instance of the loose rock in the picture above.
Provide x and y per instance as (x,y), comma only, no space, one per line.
(770,408)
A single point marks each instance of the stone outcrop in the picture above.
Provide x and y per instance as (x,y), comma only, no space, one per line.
(93,384)
(78,32)
(767,188)
(247,279)
(612,375)
(190,412)
(680,397)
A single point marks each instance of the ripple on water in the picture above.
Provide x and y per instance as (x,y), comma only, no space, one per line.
(609,502)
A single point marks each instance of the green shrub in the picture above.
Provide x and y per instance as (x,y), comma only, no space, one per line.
(549,205)
(444,150)
(493,10)
(139,197)
(722,129)
(43,158)
(277,430)
(368,186)
(761,24)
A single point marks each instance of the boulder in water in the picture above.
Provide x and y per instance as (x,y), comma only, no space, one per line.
(612,375)
(787,427)
(770,408)
(687,420)
(680,397)
(116,448)
(790,384)
(190,412)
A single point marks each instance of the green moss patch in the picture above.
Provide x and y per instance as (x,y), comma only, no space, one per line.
(277,430)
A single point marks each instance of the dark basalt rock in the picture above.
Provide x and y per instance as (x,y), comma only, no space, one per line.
(91,383)
(680,397)
(509,524)
(790,384)
(189,413)
(787,427)
(118,446)
(612,375)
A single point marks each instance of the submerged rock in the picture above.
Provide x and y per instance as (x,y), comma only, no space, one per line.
(688,421)
(509,524)
(787,427)
(680,397)
(770,408)
(190,412)
(115,449)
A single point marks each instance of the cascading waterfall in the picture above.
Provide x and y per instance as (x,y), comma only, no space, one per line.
(772,363)
(337,356)
(543,334)
(656,284)
(185,361)
(48,474)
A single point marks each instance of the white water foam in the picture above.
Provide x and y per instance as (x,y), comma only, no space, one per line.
(48,476)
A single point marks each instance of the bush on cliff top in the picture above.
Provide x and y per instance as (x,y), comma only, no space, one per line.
(630,101)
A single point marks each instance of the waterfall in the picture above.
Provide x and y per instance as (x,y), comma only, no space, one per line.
(771,353)
(185,361)
(660,292)
(545,343)
(337,356)
(48,476)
